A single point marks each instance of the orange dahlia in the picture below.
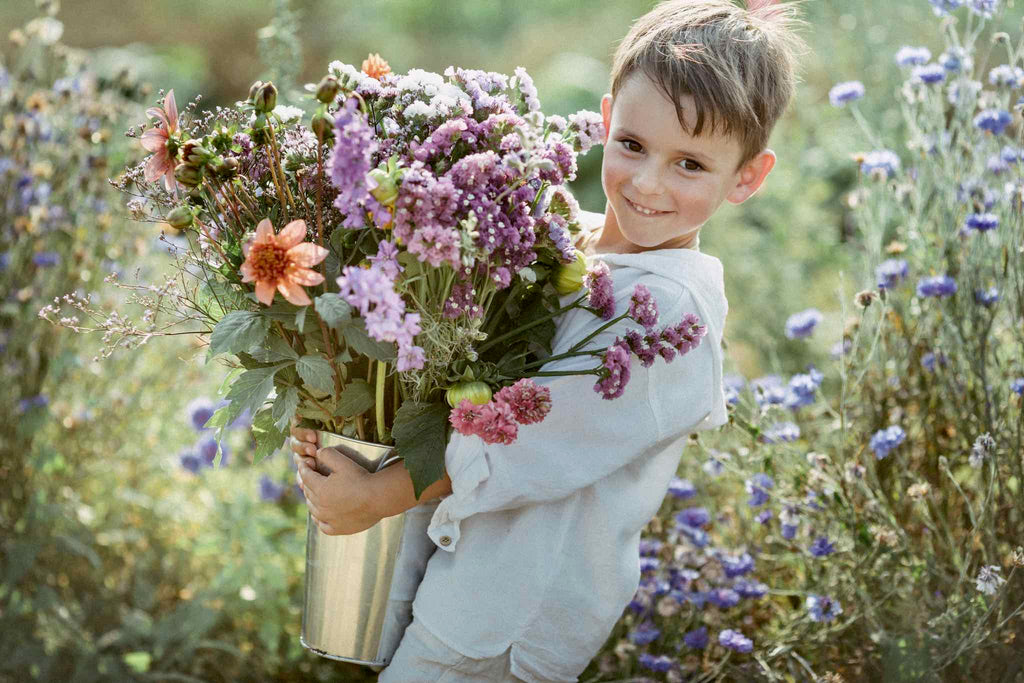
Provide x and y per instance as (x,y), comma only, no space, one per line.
(160,142)
(282,262)
(374,66)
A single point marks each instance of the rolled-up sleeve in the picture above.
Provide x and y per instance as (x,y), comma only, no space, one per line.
(584,437)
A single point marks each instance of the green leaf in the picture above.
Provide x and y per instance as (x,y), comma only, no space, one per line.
(357,337)
(220,418)
(420,434)
(284,313)
(268,437)
(238,331)
(300,318)
(356,399)
(250,390)
(316,372)
(217,298)
(333,310)
(139,661)
(273,349)
(284,408)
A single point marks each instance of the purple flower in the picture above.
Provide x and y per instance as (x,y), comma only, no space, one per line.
(913,56)
(37,401)
(987,297)
(45,259)
(697,536)
(736,565)
(681,489)
(788,531)
(190,461)
(649,547)
(983,8)
(643,309)
(781,431)
(199,411)
(644,634)
(996,165)
(820,547)
(656,663)
(588,128)
(350,161)
(734,640)
(881,162)
(693,517)
(822,608)
(697,638)
(994,121)
(937,286)
(840,349)
(954,59)
(387,259)
(750,589)
(649,565)
(723,598)
(1017,386)
(884,440)
(758,487)
(602,297)
(890,273)
(844,92)
(800,325)
(801,391)
(206,448)
(271,491)
(615,374)
(928,74)
(768,390)
(763,516)
(372,292)
(981,222)
(944,7)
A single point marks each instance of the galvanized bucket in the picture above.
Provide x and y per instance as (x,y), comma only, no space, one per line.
(352,611)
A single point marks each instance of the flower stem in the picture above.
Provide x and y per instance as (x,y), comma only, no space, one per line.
(560,356)
(523,328)
(382,371)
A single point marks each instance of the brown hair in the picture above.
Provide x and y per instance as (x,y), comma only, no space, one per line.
(737,63)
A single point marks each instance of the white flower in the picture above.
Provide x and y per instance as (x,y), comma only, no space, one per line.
(418,108)
(287,113)
(988,580)
(426,82)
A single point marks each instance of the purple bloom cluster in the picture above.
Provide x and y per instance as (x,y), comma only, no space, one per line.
(736,565)
(986,297)
(643,308)
(937,286)
(681,489)
(734,640)
(372,292)
(659,663)
(598,282)
(822,608)
(589,129)
(821,547)
(994,121)
(982,222)
(800,325)
(758,487)
(1006,76)
(348,165)
(697,638)
(615,361)
(802,389)
(848,91)
(884,440)
(928,74)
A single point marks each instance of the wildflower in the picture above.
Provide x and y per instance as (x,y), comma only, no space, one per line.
(530,403)
(190,461)
(913,56)
(944,7)
(45,259)
(983,8)
(996,165)
(602,297)
(750,589)
(736,565)
(800,325)
(768,390)
(986,298)
(200,410)
(693,517)
(823,608)
(734,640)
(161,142)
(681,489)
(282,262)
(848,91)
(715,464)
(723,598)
(375,66)
(963,93)
(928,74)
(1017,386)
(1006,76)
(758,486)
(919,490)
(656,663)
(840,349)
(820,547)
(1011,155)
(882,163)
(615,374)
(271,491)
(37,401)
(764,516)
(349,164)
(650,547)
(956,59)
(781,431)
(642,308)
(800,391)
(937,286)
(884,440)
(983,447)
(864,298)
(644,634)
(697,638)
(981,222)
(994,121)
(989,580)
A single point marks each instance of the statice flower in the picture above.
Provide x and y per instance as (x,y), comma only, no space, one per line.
(270,490)
(937,286)
(758,487)
(928,74)
(820,547)
(884,440)
(681,489)
(372,292)
(994,121)
(989,580)
(643,308)
(697,638)
(598,282)
(913,56)
(848,91)
(736,565)
(644,634)
(822,608)
(984,446)
(881,162)
(800,325)
(734,640)
(589,129)
(350,161)
(615,374)
(530,403)
(781,431)
(436,244)
(986,297)
(1017,386)
(497,423)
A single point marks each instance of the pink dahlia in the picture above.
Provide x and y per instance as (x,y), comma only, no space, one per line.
(161,143)
(282,262)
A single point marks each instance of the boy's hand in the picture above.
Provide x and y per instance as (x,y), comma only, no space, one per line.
(340,502)
(305,443)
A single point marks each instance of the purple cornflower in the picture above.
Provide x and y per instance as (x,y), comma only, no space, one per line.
(781,431)
(190,461)
(697,536)
(996,165)
(271,491)
(987,297)
(844,92)
(734,640)
(800,325)
(200,410)
(1017,386)
(681,489)
(880,162)
(602,296)
(649,547)
(820,547)
(758,487)
(723,598)
(615,374)
(913,56)
(697,638)
(955,59)
(800,391)
(768,390)
(884,440)
(1011,155)
(788,531)
(649,565)
(45,259)
(750,589)
(693,517)
(944,7)
(206,448)
(840,349)
(643,308)
(822,608)
(994,121)
(983,8)
(981,222)
(1006,76)
(928,73)
(937,286)
(764,516)
(348,165)
(736,565)
(644,634)
(656,663)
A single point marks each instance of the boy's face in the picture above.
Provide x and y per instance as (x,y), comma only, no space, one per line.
(662,184)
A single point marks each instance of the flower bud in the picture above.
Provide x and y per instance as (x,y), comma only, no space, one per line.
(383,186)
(179,217)
(193,152)
(569,278)
(187,175)
(323,126)
(224,167)
(263,96)
(253,90)
(328,89)
(478,393)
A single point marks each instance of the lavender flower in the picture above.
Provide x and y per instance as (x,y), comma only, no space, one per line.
(697,638)
(848,91)
(681,489)
(937,286)
(989,580)
(800,325)
(821,547)
(781,431)
(758,487)
(348,165)
(913,56)
(734,640)
(880,162)
(884,440)
(994,121)
(822,608)
(602,296)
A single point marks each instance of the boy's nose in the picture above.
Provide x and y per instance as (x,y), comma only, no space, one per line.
(647,180)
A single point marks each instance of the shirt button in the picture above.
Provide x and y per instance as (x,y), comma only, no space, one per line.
(446,541)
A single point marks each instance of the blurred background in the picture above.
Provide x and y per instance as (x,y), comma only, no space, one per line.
(162,568)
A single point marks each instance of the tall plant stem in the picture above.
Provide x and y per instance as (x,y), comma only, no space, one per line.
(378,403)
(519,330)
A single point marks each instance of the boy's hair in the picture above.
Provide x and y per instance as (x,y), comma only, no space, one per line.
(738,64)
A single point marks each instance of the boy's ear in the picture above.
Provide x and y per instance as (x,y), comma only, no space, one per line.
(750,176)
(606,114)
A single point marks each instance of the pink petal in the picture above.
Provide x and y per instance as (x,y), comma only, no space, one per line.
(265,292)
(307,254)
(158,113)
(247,272)
(293,293)
(156,166)
(304,276)
(154,139)
(172,111)
(265,231)
(292,234)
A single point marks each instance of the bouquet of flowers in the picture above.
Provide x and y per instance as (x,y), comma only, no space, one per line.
(392,268)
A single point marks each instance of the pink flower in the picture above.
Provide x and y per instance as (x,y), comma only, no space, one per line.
(497,423)
(529,403)
(282,262)
(615,374)
(160,142)
(602,295)
(466,417)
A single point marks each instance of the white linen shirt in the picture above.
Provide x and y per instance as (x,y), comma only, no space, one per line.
(540,538)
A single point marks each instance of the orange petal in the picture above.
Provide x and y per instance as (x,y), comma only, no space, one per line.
(304,276)
(171,107)
(291,234)
(293,293)
(265,231)
(247,272)
(307,254)
(265,292)
(154,139)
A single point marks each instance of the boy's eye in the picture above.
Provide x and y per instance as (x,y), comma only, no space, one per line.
(691,165)
(633,145)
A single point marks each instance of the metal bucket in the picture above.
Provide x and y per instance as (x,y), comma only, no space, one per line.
(348,578)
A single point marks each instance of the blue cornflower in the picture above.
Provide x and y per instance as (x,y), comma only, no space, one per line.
(801,324)
(723,598)
(758,487)
(937,286)
(207,450)
(913,56)
(1006,76)
(732,385)
(884,440)
(983,8)
(994,121)
(763,516)
(644,634)
(1017,386)
(928,73)
(987,297)
(882,162)
(693,517)
(714,466)
(768,390)
(659,663)
(822,608)
(781,431)
(697,638)
(734,640)
(200,410)
(736,566)
(944,7)
(928,360)
(696,598)
(682,577)
(820,547)
(190,461)
(681,489)
(972,192)
(844,92)
(790,522)
(649,564)
(649,547)
(956,59)
(45,259)
(801,391)
(37,401)
(996,165)
(788,531)
(840,349)
(270,491)
(981,222)
(1011,155)
(697,536)
(750,589)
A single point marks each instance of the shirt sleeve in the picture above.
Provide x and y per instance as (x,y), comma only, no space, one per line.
(584,437)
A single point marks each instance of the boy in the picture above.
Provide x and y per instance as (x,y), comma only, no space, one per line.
(538,540)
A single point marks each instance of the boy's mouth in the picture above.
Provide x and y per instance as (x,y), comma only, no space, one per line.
(644,211)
